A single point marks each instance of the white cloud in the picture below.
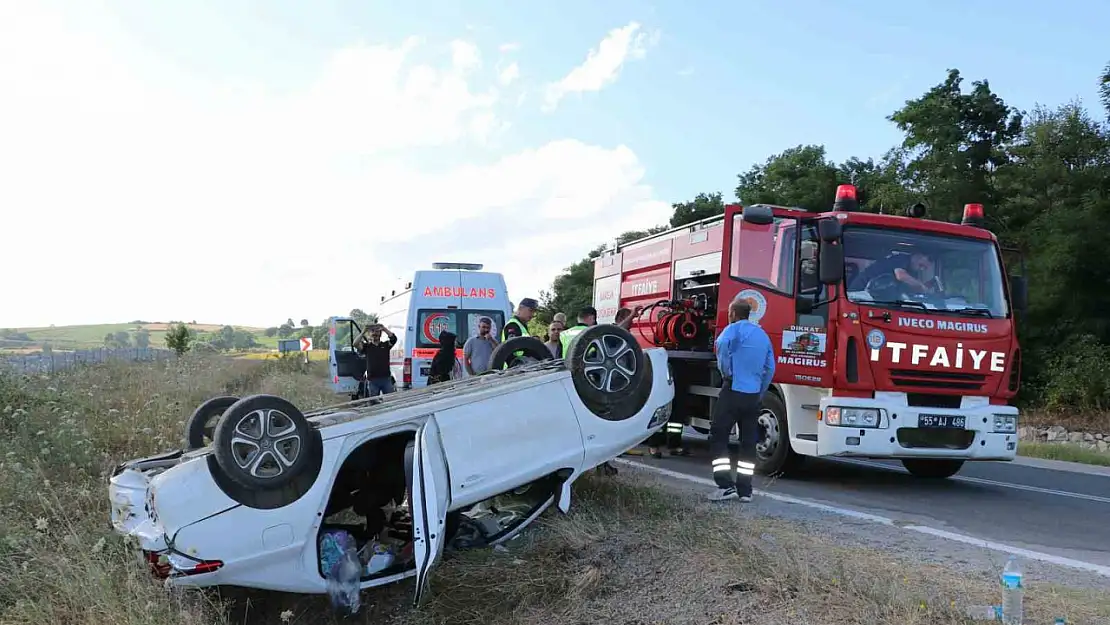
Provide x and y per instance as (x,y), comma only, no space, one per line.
(509,74)
(508,47)
(127,198)
(603,64)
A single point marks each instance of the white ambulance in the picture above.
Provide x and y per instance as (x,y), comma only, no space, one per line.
(451,296)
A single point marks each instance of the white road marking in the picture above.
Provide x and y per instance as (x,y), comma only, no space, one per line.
(979,480)
(874,518)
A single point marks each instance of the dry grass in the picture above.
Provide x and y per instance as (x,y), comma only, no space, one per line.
(627,554)
(313,356)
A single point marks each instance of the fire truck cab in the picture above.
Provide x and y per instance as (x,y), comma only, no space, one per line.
(894,335)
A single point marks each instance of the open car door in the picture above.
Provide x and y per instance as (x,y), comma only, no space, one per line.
(428,498)
(346,366)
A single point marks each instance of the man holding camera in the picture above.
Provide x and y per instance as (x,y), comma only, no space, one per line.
(379,380)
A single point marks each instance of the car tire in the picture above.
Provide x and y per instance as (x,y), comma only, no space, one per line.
(774,456)
(608,368)
(932,469)
(533,348)
(202,424)
(264,442)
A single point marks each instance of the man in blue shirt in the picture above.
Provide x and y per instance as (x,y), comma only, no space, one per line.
(746,361)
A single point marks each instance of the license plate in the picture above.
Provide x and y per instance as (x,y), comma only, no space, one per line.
(957,422)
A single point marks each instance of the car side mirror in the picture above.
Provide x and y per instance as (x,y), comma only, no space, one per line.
(1019,293)
(830,264)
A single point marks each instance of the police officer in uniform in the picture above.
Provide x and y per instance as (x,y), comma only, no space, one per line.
(517,325)
(586,317)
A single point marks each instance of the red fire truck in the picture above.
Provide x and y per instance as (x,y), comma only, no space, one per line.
(894,335)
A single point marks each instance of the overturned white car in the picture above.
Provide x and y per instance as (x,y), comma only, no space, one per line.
(404,474)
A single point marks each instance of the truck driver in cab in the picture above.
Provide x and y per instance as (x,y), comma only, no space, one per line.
(916,271)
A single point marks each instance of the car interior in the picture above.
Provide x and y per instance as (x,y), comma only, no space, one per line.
(369,504)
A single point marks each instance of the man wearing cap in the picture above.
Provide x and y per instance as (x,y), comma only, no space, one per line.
(517,325)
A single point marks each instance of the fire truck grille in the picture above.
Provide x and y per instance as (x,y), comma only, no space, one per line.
(952,381)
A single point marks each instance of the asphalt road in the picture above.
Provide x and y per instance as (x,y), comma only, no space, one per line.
(1060,512)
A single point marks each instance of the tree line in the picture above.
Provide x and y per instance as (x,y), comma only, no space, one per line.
(1043,175)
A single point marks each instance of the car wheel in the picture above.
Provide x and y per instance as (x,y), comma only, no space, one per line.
(201,427)
(264,442)
(935,469)
(774,457)
(533,350)
(608,368)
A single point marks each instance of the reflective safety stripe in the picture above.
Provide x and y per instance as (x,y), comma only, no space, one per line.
(674,427)
(721,464)
(745,471)
(740,464)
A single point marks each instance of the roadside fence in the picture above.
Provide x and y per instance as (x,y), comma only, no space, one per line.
(49,362)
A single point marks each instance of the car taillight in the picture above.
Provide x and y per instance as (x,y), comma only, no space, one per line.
(204,566)
(406,372)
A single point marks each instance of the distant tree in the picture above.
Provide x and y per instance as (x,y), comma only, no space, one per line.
(304,323)
(362,318)
(122,339)
(242,339)
(271,332)
(289,322)
(703,206)
(286,330)
(142,338)
(1104,89)
(178,338)
(320,336)
(109,339)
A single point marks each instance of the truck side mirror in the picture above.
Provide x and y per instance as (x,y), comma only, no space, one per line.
(829,230)
(830,265)
(1019,293)
(758,214)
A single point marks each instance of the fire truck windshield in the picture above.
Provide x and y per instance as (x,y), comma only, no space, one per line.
(912,269)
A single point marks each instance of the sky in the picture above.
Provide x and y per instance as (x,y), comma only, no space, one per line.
(245,162)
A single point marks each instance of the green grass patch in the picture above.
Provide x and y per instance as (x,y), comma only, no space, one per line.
(1068,452)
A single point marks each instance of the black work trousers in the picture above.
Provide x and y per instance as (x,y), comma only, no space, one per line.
(734,408)
(670,435)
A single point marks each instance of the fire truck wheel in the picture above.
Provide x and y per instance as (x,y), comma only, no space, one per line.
(532,350)
(608,368)
(264,442)
(774,457)
(933,469)
(200,427)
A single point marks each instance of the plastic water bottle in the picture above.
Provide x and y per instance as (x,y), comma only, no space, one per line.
(1013,589)
(343,583)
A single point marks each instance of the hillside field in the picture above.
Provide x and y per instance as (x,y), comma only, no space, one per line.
(92,336)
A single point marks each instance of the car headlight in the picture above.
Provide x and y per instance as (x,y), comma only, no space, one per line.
(661,415)
(1005,423)
(852,417)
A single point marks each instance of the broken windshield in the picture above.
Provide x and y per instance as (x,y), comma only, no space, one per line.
(924,271)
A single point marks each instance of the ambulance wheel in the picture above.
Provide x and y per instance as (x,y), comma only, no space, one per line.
(200,427)
(264,442)
(932,469)
(532,350)
(608,368)
(773,455)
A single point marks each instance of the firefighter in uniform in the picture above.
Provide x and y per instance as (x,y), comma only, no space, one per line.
(517,325)
(746,361)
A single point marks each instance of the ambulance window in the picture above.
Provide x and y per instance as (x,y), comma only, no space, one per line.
(462,323)
(765,254)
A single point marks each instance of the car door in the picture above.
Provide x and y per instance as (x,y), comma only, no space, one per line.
(345,365)
(506,438)
(429,498)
